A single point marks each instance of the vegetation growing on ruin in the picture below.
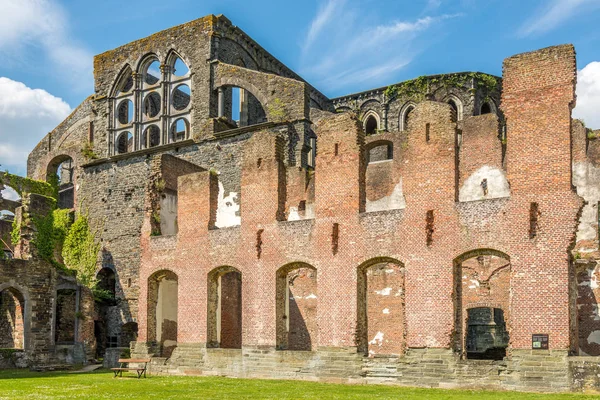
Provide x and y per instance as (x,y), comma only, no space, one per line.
(276,110)
(80,251)
(21,185)
(418,88)
(88,151)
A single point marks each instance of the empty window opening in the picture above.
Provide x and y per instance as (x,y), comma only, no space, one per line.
(181,97)
(125,143)
(381,313)
(380,152)
(239,107)
(406,116)
(179,68)
(236,104)
(487,337)
(65,318)
(225,308)
(107,281)
(91,132)
(12,319)
(335,238)
(371,125)
(126,84)
(296,308)
(125,112)
(429,227)
(179,130)
(162,311)
(61,172)
(151,137)
(427,131)
(152,75)
(454,107)
(534,214)
(312,152)
(152,105)
(486,108)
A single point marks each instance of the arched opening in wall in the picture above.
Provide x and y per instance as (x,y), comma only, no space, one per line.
(152,105)
(152,74)
(381,319)
(180,130)
(486,108)
(180,69)
(405,116)
(180,97)
(65,318)
(454,107)
(371,124)
(296,307)
(9,201)
(60,171)
(12,319)
(129,333)
(124,143)
(162,310)
(239,107)
(380,151)
(482,304)
(107,281)
(224,308)
(151,137)
(125,83)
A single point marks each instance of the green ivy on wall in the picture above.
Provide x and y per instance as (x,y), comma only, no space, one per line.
(21,185)
(80,251)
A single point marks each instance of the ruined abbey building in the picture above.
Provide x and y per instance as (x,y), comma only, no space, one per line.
(440,232)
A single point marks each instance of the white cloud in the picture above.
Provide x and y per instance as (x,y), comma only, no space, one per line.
(553,14)
(340,50)
(29,26)
(588,95)
(26,116)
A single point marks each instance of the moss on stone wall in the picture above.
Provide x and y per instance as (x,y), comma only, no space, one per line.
(26,185)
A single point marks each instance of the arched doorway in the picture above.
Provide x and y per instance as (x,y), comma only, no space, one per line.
(296,307)
(12,319)
(381,322)
(224,308)
(482,304)
(162,310)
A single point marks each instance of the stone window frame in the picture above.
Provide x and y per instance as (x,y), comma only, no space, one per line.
(365,118)
(491,104)
(406,108)
(458,103)
(167,116)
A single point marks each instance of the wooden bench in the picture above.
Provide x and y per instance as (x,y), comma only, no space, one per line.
(141,370)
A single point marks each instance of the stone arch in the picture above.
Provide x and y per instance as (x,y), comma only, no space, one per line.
(404,114)
(456,104)
(482,309)
(107,280)
(237,82)
(61,170)
(224,308)
(296,307)
(162,315)
(381,321)
(371,122)
(172,56)
(14,317)
(488,107)
(343,109)
(252,101)
(123,81)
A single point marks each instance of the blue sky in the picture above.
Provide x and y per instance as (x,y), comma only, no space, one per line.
(340,46)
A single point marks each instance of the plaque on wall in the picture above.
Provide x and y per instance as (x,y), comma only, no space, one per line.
(539,341)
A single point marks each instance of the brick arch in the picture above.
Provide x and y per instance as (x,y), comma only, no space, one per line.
(362,306)
(489,290)
(296,312)
(480,252)
(224,307)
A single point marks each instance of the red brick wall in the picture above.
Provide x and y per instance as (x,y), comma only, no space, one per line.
(538,164)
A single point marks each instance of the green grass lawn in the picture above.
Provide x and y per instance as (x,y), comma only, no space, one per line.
(102,385)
